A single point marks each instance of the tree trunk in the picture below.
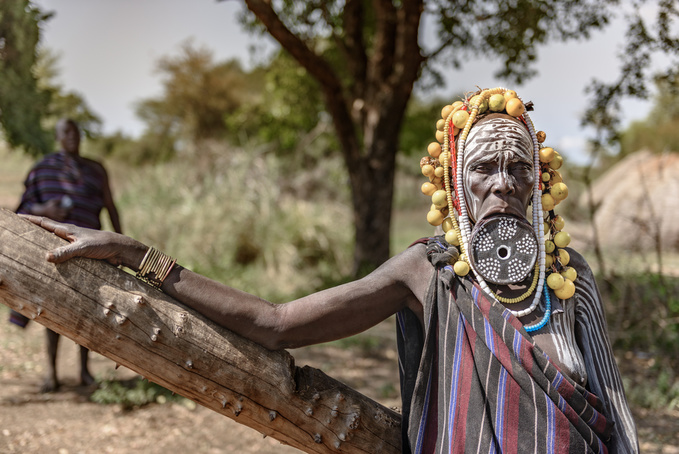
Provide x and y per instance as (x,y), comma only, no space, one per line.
(372,188)
(110,312)
(367,105)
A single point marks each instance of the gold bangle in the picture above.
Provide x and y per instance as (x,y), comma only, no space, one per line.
(155,267)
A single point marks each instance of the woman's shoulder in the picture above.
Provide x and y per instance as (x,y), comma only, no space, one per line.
(586,290)
(408,265)
(579,263)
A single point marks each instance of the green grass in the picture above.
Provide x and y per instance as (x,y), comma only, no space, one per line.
(135,393)
(13,170)
(232,221)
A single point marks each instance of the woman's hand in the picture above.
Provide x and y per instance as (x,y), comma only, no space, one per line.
(94,244)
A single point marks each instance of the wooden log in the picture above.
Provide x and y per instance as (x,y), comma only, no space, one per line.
(110,312)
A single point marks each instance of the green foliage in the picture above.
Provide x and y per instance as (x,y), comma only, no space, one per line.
(651,32)
(22,102)
(509,31)
(643,319)
(419,126)
(63,104)
(659,132)
(236,216)
(31,101)
(646,315)
(147,149)
(367,344)
(133,394)
(658,390)
(288,114)
(198,94)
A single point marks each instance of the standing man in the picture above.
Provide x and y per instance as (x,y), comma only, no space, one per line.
(69,188)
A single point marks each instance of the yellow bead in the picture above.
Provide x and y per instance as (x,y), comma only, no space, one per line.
(549,246)
(546,177)
(441,125)
(434,149)
(446,111)
(569,273)
(457,105)
(461,268)
(547,154)
(497,102)
(567,291)
(515,107)
(547,202)
(545,228)
(438,198)
(460,118)
(447,225)
(556,162)
(452,238)
(559,191)
(440,136)
(509,94)
(564,257)
(483,106)
(562,239)
(439,172)
(556,178)
(549,261)
(428,188)
(559,223)
(555,281)
(435,217)
(428,170)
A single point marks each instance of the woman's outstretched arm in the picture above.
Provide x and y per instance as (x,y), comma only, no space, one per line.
(320,317)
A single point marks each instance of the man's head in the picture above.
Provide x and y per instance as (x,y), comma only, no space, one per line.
(68,135)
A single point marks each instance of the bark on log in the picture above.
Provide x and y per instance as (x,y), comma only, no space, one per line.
(110,312)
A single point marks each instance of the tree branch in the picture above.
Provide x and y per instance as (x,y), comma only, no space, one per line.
(319,69)
(354,45)
(110,312)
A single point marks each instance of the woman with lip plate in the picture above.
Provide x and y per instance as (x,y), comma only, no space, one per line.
(503,345)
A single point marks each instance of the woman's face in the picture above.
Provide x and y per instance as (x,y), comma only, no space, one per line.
(498,169)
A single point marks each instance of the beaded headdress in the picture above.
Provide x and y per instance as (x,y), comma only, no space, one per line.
(444,168)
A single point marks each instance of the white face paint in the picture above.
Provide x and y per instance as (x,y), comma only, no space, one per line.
(498,168)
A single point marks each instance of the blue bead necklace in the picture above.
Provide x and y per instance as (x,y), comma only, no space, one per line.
(548,312)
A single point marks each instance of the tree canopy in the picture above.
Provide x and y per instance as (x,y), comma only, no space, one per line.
(31,99)
(651,32)
(22,103)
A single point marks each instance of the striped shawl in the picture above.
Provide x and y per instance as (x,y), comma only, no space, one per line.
(473,381)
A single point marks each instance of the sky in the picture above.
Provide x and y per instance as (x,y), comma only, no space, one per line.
(108,52)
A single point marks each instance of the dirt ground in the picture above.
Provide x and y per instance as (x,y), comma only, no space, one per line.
(67,422)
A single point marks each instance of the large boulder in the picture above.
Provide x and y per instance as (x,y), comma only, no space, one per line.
(638,202)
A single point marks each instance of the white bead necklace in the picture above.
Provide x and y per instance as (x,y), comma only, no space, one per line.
(464,223)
